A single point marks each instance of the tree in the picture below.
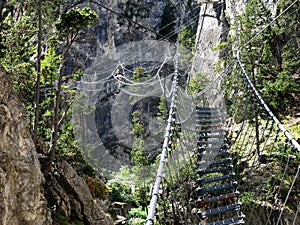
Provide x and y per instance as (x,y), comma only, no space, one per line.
(68,27)
(34,50)
(268,57)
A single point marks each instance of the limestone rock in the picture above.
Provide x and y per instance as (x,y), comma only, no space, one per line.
(21,200)
(72,197)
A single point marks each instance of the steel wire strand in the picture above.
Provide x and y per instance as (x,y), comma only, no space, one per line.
(172,186)
(284,147)
(281,127)
(128,85)
(288,195)
(154,198)
(268,25)
(171,34)
(153,202)
(278,131)
(139,53)
(183,178)
(176,184)
(166,198)
(239,133)
(173,172)
(100,89)
(208,87)
(270,123)
(174,33)
(281,183)
(286,133)
(296,214)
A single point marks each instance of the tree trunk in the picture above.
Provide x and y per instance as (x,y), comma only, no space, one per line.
(38,77)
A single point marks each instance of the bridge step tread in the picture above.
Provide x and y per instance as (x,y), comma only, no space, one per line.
(205,116)
(209,125)
(208,114)
(211,120)
(211,136)
(231,221)
(216,154)
(210,131)
(206,108)
(202,172)
(218,188)
(213,157)
(215,162)
(206,200)
(211,148)
(211,212)
(210,142)
(229,176)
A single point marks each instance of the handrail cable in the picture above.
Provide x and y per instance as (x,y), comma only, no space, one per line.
(163,156)
(280,125)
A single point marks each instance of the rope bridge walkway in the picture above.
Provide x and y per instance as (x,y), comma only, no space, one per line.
(228,154)
(245,153)
(219,149)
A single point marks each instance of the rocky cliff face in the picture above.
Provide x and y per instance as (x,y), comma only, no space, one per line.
(21,199)
(214,27)
(70,196)
(117,25)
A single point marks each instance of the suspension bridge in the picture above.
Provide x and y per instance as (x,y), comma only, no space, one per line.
(216,153)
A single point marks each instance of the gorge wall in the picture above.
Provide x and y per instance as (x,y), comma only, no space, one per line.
(21,193)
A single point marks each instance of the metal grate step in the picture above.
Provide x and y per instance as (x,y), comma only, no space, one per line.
(208,180)
(214,170)
(215,154)
(214,189)
(221,136)
(211,149)
(206,200)
(203,121)
(210,131)
(211,212)
(216,162)
(208,142)
(231,221)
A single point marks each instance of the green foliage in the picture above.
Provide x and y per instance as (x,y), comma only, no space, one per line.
(137,126)
(279,89)
(247,198)
(197,83)
(77,222)
(120,191)
(73,21)
(220,46)
(16,51)
(66,144)
(272,58)
(162,109)
(187,37)
(137,216)
(139,157)
(60,219)
(139,75)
